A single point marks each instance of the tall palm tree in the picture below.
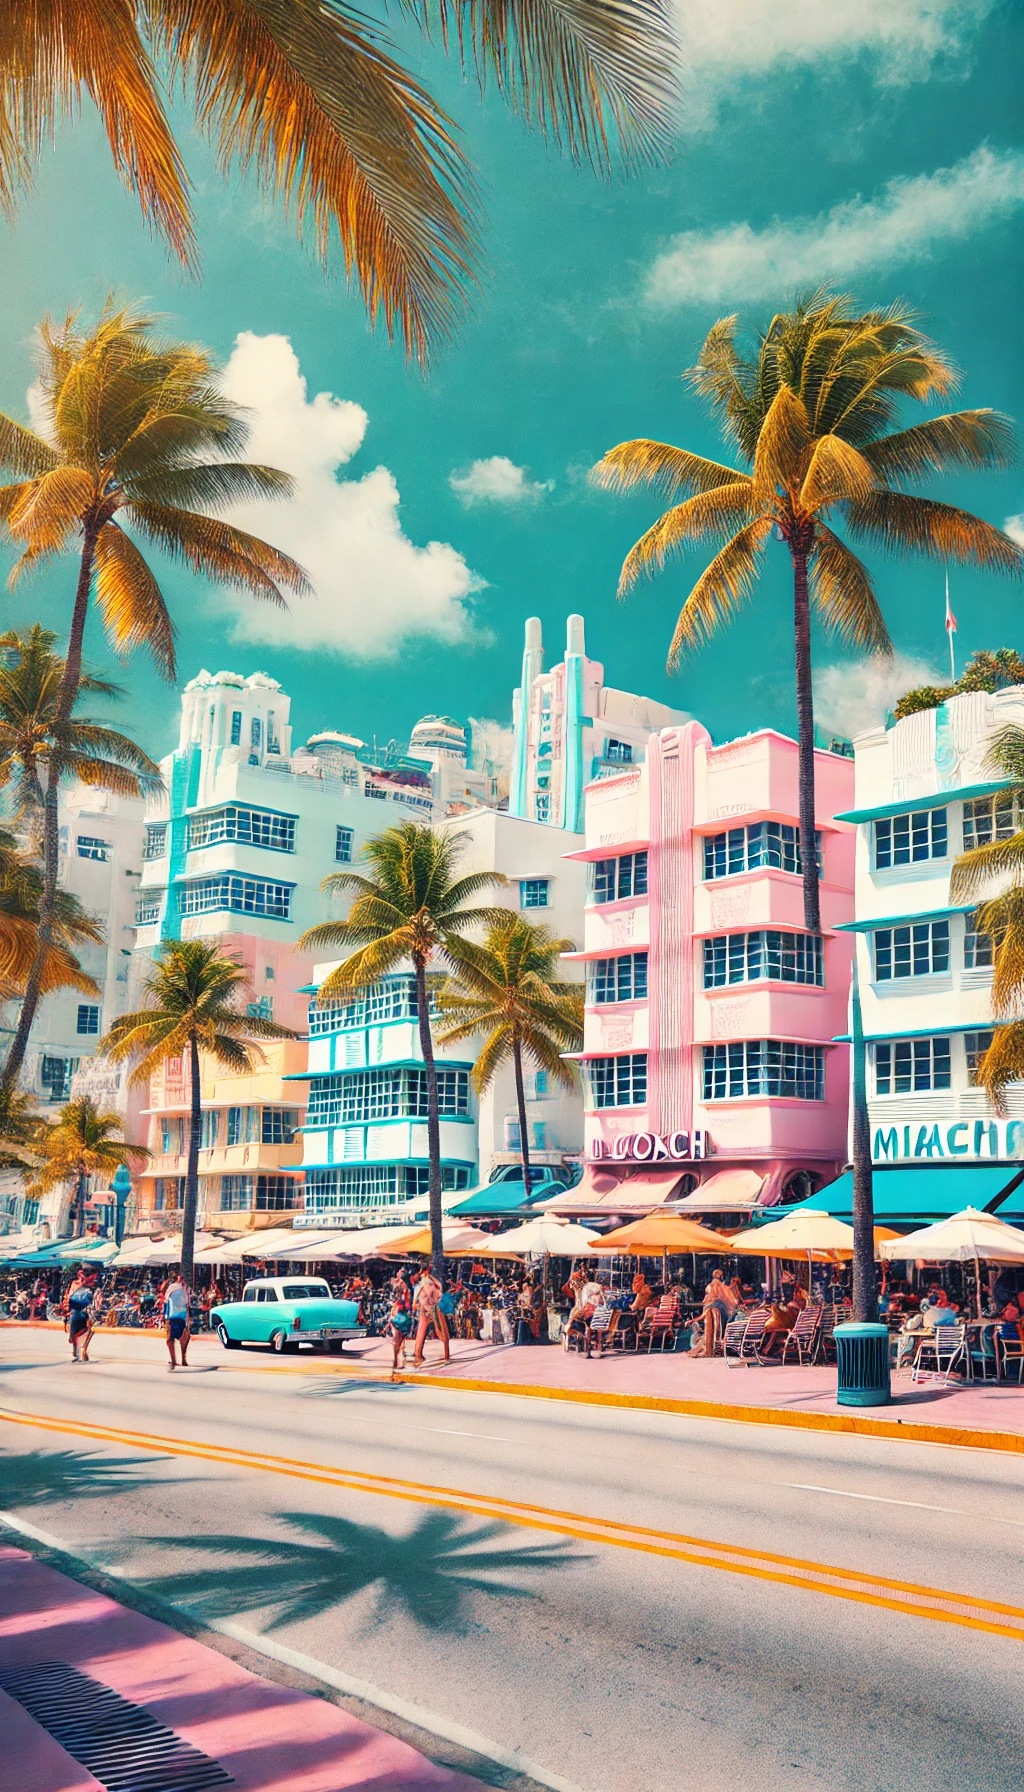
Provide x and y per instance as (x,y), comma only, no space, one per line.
(307,96)
(509,988)
(409,907)
(811,411)
(23,1131)
(82,1143)
(41,747)
(191,1008)
(998,868)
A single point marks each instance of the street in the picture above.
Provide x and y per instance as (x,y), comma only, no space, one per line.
(613,1599)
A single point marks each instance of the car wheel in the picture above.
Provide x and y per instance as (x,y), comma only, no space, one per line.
(336,1346)
(228,1342)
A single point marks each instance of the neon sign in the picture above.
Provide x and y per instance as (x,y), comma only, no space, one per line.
(655,1147)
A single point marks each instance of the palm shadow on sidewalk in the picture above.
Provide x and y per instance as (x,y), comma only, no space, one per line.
(427,1574)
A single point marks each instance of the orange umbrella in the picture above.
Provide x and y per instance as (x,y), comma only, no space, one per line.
(661,1232)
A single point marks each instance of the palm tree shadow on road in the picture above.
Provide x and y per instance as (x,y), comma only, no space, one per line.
(427,1574)
(45,1477)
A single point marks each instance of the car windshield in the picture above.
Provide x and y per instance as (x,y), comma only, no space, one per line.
(306,1291)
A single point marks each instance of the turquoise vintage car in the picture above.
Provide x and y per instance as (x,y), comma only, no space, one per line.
(285,1312)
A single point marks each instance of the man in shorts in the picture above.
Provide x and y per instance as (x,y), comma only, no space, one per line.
(81,1294)
(176,1315)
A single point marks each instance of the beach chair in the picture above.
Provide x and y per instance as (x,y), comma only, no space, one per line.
(659,1324)
(1011,1350)
(803,1339)
(732,1342)
(753,1332)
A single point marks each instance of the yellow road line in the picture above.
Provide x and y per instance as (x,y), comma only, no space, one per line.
(819,1577)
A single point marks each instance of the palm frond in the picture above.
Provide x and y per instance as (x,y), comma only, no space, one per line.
(1003,1063)
(228,555)
(24,453)
(661,467)
(974,439)
(707,517)
(843,591)
(1005,755)
(131,602)
(783,444)
(835,472)
(212,486)
(51,509)
(720,589)
(975,869)
(903,523)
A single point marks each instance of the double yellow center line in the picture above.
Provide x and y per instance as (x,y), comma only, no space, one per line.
(812,1577)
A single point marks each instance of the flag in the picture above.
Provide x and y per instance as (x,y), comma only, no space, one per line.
(950,618)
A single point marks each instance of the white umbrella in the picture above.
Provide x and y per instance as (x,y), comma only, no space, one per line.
(544,1236)
(150,1252)
(966,1237)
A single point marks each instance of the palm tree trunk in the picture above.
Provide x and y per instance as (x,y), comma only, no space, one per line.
(80,1205)
(865,1299)
(805,738)
(524,1140)
(188,1218)
(48,894)
(433,1124)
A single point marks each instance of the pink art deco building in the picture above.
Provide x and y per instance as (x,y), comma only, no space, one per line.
(710,1071)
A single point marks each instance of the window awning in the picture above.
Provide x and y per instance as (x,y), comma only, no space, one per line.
(727,1191)
(602,1190)
(931,1192)
(911,805)
(500,1197)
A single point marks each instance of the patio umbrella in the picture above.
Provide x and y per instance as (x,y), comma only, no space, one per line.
(547,1237)
(665,1233)
(457,1236)
(816,1236)
(966,1237)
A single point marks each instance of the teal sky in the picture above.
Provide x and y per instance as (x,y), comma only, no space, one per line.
(874,144)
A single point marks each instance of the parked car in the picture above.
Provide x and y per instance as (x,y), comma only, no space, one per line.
(286,1312)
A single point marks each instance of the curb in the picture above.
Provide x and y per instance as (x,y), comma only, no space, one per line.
(1009,1443)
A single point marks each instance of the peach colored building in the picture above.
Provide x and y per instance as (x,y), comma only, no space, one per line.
(709,1061)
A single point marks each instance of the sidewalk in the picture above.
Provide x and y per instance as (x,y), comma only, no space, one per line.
(164,1697)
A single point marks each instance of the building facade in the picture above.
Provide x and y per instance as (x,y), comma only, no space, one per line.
(924,795)
(710,1069)
(570,728)
(365,1132)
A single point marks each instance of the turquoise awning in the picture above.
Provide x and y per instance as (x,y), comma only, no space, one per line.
(932,1192)
(503,1197)
(914,805)
(926,914)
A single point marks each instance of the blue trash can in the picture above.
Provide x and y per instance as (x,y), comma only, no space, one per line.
(862,1355)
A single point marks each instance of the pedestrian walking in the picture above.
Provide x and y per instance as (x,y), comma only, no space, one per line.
(399,1321)
(80,1298)
(176,1314)
(426,1306)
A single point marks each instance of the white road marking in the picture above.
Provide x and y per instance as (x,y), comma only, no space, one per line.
(320,1670)
(442,1432)
(879,1498)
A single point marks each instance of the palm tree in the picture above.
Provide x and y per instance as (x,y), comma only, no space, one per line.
(20,890)
(82,1143)
(811,411)
(409,907)
(23,1130)
(191,996)
(508,988)
(1000,916)
(40,748)
(307,97)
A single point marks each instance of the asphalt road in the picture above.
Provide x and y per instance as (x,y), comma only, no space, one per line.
(623,1600)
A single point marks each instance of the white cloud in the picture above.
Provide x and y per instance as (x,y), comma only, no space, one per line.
(374,587)
(901,39)
(908,221)
(856,695)
(497,481)
(1014,526)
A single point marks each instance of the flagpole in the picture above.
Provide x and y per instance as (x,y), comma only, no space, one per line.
(950,632)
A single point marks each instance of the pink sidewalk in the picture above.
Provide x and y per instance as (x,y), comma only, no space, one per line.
(979,1406)
(267,1737)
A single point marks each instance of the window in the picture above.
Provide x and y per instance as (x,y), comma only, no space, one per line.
(751,957)
(767,843)
(920,950)
(278,1126)
(618,1082)
(241,895)
(91,848)
(621,979)
(910,839)
(306,1291)
(208,1129)
(262,1008)
(255,734)
(619,752)
(989,818)
(977,948)
(343,838)
(250,827)
(376,1185)
(614,879)
(975,1047)
(540,1085)
(236,727)
(167,1196)
(251,1292)
(155,845)
(394,998)
(234,1125)
(542,805)
(55,1075)
(909,1066)
(88,1018)
(776,1067)
(533,892)
(147,908)
(273,743)
(399,1094)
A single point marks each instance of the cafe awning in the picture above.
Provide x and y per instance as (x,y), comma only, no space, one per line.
(932,1192)
(603,1191)
(727,1191)
(500,1197)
